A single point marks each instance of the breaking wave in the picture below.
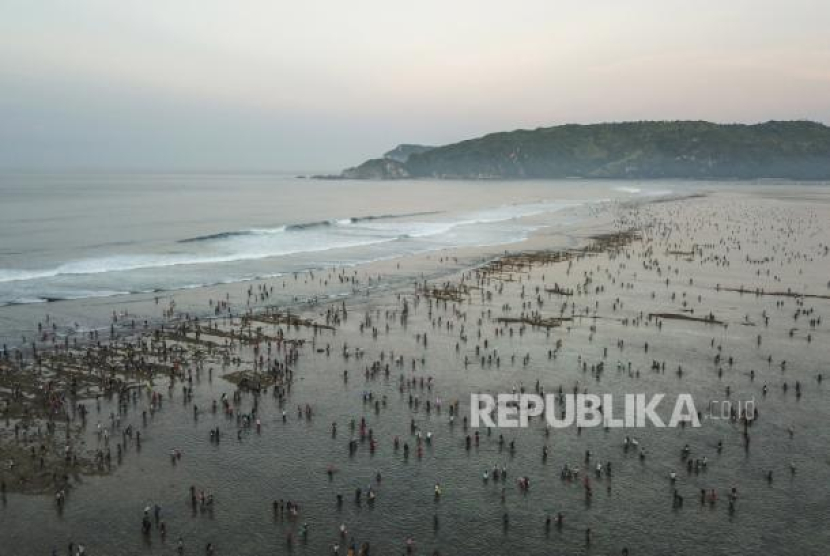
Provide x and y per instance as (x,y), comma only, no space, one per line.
(380,234)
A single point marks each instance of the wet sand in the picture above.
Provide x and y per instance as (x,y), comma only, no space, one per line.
(310,378)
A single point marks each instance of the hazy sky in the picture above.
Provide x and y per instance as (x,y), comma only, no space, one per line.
(315,85)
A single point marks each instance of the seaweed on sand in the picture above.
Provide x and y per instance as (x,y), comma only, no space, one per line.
(543,322)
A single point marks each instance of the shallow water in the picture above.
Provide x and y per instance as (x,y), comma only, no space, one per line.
(289,460)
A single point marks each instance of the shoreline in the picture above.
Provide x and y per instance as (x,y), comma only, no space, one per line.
(626,312)
(191,298)
(585,237)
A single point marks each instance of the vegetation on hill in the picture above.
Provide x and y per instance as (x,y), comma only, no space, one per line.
(641,150)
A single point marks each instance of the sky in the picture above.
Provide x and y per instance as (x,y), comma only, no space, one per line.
(315,86)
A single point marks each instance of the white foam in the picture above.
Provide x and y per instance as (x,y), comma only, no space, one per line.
(263,243)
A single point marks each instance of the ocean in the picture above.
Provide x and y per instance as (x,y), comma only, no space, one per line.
(87,236)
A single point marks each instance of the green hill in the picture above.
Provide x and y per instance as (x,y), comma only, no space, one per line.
(641,150)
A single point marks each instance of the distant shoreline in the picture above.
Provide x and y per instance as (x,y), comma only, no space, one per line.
(738,180)
(791,150)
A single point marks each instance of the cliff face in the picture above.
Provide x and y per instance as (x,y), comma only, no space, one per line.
(638,150)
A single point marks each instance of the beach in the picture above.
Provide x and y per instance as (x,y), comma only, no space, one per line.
(342,384)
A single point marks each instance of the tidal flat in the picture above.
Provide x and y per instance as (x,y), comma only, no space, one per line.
(327,410)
